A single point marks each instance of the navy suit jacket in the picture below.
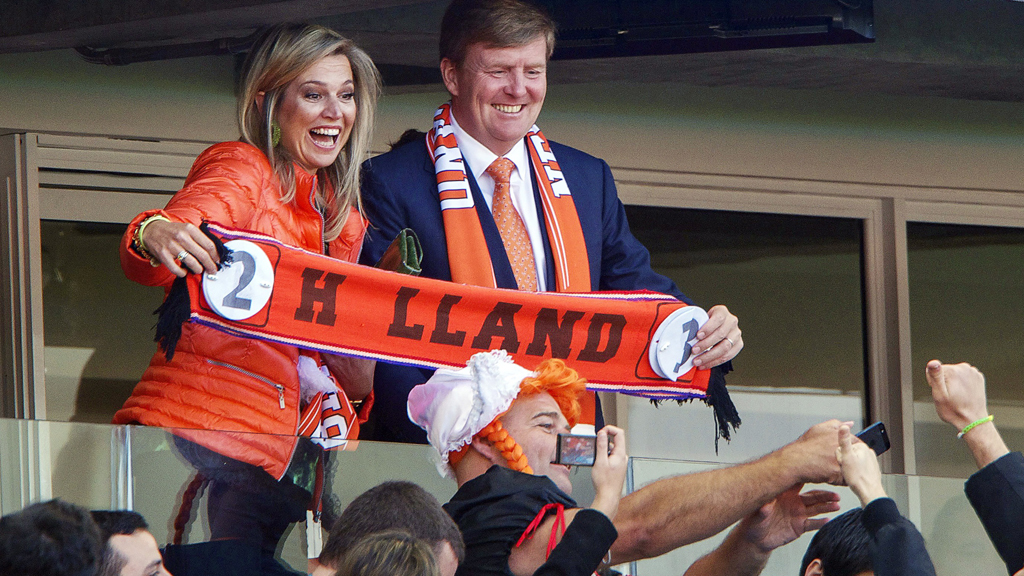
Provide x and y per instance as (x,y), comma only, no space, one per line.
(997,494)
(400,191)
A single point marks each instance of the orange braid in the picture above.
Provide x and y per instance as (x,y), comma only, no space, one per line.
(510,449)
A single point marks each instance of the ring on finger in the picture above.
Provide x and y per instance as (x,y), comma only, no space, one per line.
(731,343)
(182,255)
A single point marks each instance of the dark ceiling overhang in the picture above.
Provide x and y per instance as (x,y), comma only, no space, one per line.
(925,47)
(32,25)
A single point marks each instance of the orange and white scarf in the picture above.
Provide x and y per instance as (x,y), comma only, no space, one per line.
(468,257)
(329,305)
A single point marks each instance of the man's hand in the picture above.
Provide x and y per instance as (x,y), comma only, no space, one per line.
(609,472)
(719,339)
(958,391)
(784,519)
(813,455)
(860,467)
(959,394)
(354,375)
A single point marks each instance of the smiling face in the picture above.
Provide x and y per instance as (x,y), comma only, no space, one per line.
(535,421)
(317,111)
(497,93)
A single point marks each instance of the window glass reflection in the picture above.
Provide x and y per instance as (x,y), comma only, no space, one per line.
(793,281)
(98,325)
(795,284)
(965,294)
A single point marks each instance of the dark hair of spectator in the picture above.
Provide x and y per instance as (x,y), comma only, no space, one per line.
(123,522)
(111,523)
(392,506)
(495,23)
(410,135)
(842,546)
(391,553)
(52,538)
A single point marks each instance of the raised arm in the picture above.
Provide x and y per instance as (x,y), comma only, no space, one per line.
(223,186)
(748,546)
(590,531)
(897,547)
(959,394)
(996,490)
(680,510)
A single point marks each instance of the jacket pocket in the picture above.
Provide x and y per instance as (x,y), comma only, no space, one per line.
(254,376)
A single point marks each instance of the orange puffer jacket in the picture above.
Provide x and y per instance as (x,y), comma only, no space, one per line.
(222,382)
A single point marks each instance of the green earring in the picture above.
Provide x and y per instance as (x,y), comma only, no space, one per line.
(275,134)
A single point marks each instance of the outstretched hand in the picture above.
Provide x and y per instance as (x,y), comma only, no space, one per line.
(718,340)
(958,391)
(813,454)
(789,515)
(860,467)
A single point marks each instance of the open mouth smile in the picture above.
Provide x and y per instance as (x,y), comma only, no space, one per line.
(325,137)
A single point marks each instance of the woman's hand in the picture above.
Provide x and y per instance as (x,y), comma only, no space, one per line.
(719,339)
(166,241)
(609,472)
(860,467)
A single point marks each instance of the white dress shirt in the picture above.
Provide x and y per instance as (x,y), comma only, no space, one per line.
(477,158)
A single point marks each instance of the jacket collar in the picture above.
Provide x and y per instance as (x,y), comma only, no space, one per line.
(304,187)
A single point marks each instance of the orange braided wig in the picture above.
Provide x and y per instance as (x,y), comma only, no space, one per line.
(563,384)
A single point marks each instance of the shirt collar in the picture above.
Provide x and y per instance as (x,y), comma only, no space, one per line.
(478,157)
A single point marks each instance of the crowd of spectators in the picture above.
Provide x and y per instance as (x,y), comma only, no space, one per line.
(398,528)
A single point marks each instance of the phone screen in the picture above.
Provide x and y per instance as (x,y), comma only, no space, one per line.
(576,450)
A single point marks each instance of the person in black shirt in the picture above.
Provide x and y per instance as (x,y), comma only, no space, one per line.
(494,426)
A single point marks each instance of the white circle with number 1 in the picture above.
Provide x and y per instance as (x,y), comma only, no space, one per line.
(241,289)
(670,354)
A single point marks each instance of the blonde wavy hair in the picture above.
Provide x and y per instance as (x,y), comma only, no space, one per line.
(278,57)
(564,384)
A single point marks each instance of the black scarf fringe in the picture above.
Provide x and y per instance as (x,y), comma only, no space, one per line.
(176,308)
(727,418)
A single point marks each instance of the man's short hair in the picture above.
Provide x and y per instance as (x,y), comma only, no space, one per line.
(495,23)
(842,545)
(394,505)
(51,538)
(112,523)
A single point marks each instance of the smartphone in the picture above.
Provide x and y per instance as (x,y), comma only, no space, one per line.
(576,450)
(875,437)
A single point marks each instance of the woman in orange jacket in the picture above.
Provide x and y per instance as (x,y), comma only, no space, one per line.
(306,107)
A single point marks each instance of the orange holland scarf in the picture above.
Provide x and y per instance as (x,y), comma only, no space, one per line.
(468,257)
(328,305)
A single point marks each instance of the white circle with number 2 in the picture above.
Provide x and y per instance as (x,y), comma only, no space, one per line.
(670,354)
(239,290)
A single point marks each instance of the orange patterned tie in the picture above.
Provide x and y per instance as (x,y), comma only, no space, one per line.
(511,227)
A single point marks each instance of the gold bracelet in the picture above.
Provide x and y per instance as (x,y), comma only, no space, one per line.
(139,245)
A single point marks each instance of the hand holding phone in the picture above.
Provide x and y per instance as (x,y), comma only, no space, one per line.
(860,466)
(576,450)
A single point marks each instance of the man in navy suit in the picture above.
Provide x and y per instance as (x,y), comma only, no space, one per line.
(494,56)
